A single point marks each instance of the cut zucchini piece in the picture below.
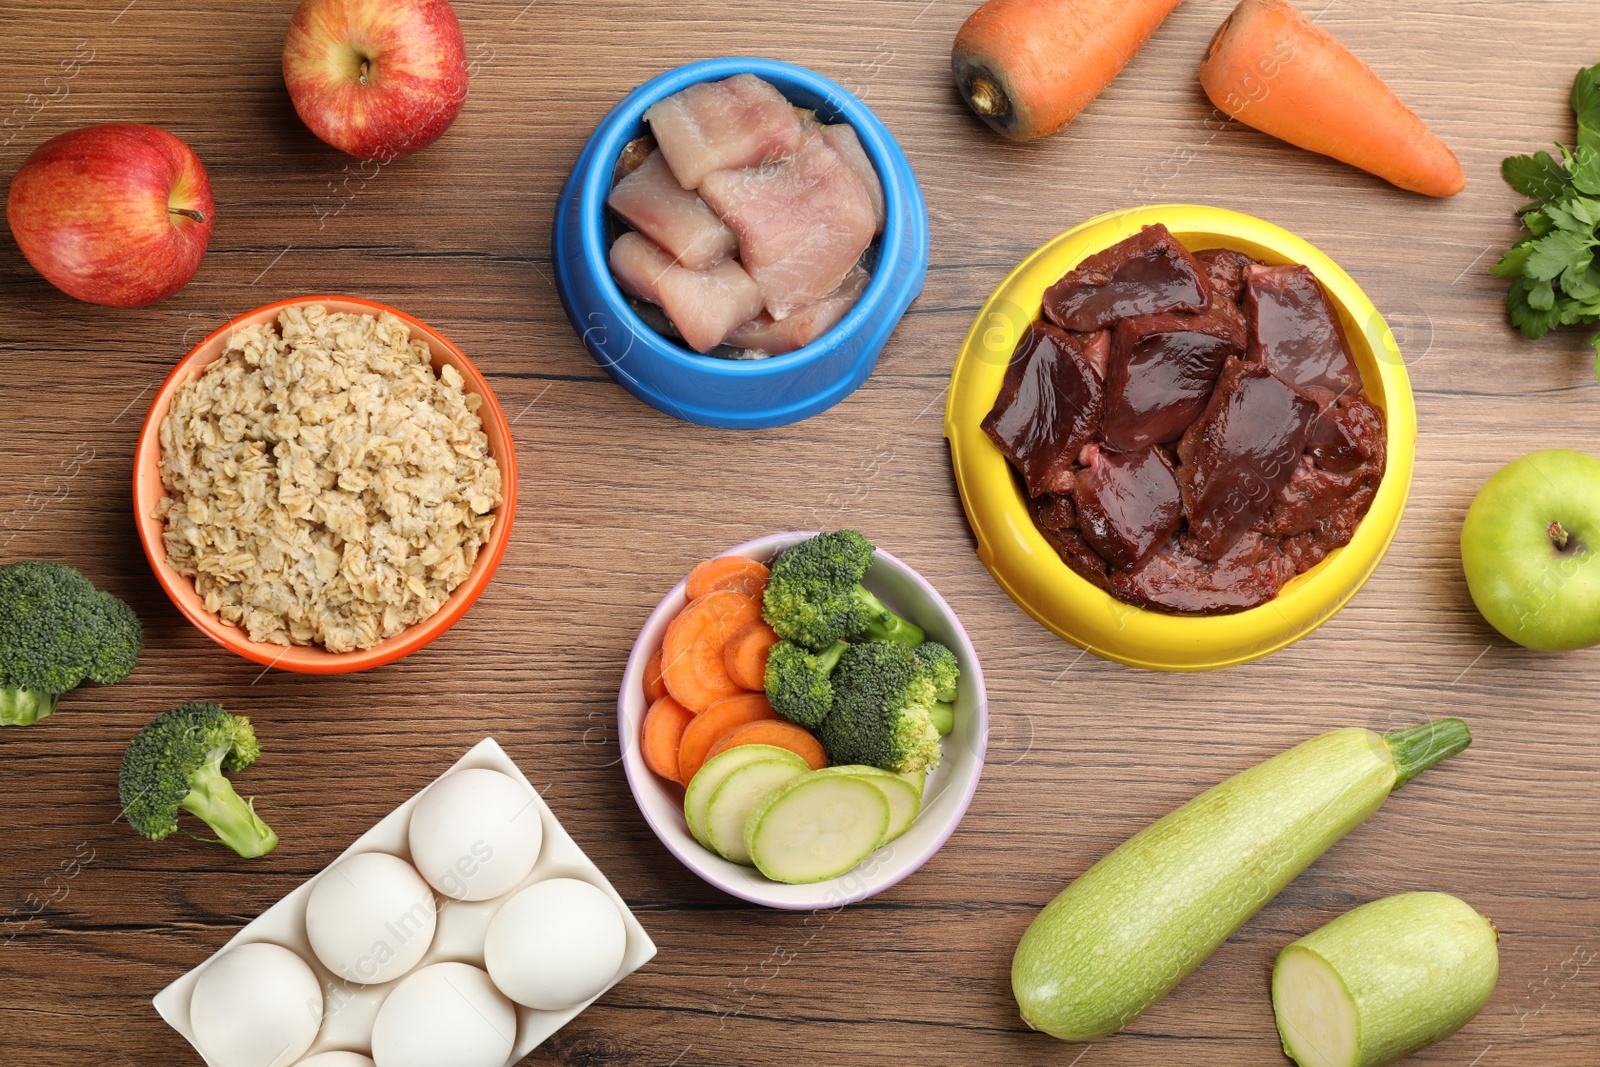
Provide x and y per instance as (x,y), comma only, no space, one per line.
(816,827)
(730,806)
(1384,981)
(716,769)
(905,800)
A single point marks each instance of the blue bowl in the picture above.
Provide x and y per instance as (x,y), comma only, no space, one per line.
(742,394)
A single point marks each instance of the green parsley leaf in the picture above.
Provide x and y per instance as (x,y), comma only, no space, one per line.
(1557,253)
(1538,176)
(1533,322)
(1586,170)
(1516,258)
(1586,103)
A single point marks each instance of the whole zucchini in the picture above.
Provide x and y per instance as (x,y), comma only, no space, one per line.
(1120,937)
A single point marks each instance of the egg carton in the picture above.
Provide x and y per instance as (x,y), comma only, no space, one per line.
(349,1010)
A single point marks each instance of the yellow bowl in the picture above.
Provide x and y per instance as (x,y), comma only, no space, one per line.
(1023,562)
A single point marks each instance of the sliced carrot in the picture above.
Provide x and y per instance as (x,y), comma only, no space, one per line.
(709,727)
(1028,67)
(654,687)
(738,573)
(691,653)
(746,656)
(780,734)
(1273,68)
(660,735)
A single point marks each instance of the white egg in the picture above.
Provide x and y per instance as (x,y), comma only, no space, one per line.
(446,1013)
(336,1059)
(555,944)
(255,1005)
(370,918)
(475,834)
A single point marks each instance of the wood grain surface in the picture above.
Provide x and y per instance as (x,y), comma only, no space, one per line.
(618,501)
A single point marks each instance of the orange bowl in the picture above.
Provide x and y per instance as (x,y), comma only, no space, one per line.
(148,492)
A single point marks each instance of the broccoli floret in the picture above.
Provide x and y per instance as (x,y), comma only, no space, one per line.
(885,702)
(56,629)
(814,595)
(797,682)
(176,763)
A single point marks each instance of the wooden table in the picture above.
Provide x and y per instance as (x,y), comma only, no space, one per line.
(618,501)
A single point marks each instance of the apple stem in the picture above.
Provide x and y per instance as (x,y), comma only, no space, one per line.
(188,213)
(366,69)
(1558,536)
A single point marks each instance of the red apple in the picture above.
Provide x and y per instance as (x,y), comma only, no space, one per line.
(376,78)
(117,214)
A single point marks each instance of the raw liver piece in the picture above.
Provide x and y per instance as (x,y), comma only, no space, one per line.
(1348,433)
(652,202)
(1162,371)
(802,222)
(1312,497)
(1057,520)
(1240,454)
(1148,274)
(806,324)
(1224,271)
(1097,350)
(1127,503)
(1294,331)
(842,138)
(722,125)
(1172,580)
(705,305)
(1049,407)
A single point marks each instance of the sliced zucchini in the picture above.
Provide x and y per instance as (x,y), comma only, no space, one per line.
(905,799)
(711,775)
(730,806)
(816,827)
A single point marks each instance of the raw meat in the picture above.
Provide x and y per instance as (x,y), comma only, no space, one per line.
(1294,332)
(1240,454)
(1224,271)
(805,324)
(1097,350)
(1057,520)
(1348,432)
(1162,371)
(842,138)
(705,305)
(1127,503)
(1172,580)
(1148,274)
(803,222)
(710,126)
(651,201)
(1050,406)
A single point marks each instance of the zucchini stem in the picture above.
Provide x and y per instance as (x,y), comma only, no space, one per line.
(1420,747)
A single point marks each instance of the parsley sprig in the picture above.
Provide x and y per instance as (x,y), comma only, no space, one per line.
(1555,271)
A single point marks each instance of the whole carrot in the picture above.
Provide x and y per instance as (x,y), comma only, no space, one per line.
(1028,67)
(1271,67)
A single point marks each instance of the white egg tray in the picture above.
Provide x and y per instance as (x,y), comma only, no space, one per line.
(349,1009)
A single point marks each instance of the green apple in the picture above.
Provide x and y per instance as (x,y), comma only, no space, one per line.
(1531,550)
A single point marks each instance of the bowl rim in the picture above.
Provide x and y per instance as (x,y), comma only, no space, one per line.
(618,128)
(702,862)
(1033,574)
(318,661)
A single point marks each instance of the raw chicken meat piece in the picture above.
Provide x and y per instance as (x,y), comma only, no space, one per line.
(1240,454)
(803,222)
(805,324)
(1224,271)
(1162,371)
(723,125)
(1127,503)
(652,202)
(1050,406)
(1294,332)
(705,305)
(1148,274)
(842,138)
(1172,580)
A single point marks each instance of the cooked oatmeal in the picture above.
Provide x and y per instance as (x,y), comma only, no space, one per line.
(327,487)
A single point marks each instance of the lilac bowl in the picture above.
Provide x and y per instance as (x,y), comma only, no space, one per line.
(945,798)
